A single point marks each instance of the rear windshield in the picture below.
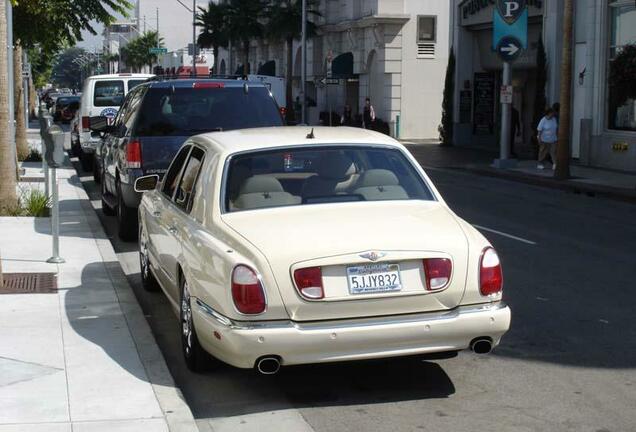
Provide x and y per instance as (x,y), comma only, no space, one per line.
(330,174)
(134,83)
(190,111)
(108,93)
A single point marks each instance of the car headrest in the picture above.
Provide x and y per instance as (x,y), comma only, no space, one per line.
(377,177)
(260,184)
(335,165)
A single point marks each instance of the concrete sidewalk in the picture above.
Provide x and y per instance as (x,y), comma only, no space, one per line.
(591,181)
(84,358)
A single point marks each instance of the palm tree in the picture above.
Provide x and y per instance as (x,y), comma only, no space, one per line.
(215,31)
(8,196)
(562,170)
(137,53)
(244,23)
(284,23)
(22,146)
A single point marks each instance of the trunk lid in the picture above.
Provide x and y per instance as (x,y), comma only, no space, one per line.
(343,238)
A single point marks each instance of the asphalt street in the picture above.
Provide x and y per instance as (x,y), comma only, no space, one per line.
(567,364)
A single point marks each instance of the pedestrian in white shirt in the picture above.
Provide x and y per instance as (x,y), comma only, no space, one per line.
(547,135)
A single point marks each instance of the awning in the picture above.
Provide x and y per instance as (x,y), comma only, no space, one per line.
(267,68)
(342,66)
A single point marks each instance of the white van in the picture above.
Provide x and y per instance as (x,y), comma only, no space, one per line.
(102,95)
(276,86)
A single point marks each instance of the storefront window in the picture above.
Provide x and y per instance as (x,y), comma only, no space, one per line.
(622,66)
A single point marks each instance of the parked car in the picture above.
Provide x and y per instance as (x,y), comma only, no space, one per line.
(155,120)
(357,256)
(101,96)
(62,103)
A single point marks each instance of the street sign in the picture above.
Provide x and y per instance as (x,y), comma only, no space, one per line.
(509,48)
(505,95)
(157,50)
(510,20)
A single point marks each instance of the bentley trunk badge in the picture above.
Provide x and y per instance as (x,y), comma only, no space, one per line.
(372,256)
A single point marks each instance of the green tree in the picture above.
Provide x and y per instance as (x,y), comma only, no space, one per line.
(284,23)
(446,128)
(214,33)
(245,23)
(136,54)
(66,69)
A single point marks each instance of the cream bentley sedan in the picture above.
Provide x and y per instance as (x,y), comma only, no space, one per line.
(292,245)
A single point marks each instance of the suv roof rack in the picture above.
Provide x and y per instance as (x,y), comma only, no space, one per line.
(178,77)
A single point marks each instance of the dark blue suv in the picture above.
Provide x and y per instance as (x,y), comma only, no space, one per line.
(155,120)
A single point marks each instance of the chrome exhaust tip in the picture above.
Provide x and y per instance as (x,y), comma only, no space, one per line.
(481,345)
(268,365)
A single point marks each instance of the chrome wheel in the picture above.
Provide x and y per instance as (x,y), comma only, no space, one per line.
(143,255)
(186,319)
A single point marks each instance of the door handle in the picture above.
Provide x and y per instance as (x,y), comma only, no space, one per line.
(156,214)
(173,229)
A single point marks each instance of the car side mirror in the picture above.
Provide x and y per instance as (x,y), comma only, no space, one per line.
(146,183)
(99,124)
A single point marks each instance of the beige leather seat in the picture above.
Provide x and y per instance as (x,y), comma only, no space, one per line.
(378,185)
(336,173)
(263,191)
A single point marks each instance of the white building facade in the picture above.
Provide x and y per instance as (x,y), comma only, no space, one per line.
(603,129)
(394,52)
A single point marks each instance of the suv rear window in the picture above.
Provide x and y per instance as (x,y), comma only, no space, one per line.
(190,111)
(108,93)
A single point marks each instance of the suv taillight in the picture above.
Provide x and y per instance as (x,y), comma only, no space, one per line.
(247,291)
(309,282)
(86,124)
(133,154)
(490,274)
(437,272)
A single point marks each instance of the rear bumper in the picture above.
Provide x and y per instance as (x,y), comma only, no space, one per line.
(242,343)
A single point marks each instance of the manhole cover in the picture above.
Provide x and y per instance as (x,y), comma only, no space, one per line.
(29,283)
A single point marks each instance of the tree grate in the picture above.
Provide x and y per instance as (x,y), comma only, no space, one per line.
(29,283)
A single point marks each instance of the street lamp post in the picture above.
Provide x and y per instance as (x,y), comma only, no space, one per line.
(303,68)
(194,38)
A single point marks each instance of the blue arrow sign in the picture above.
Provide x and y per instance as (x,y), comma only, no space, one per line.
(510,19)
(509,48)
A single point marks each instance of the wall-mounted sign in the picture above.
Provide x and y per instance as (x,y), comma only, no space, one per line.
(484,104)
(505,94)
(475,12)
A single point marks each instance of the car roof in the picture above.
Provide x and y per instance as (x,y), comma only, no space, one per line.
(237,141)
(187,82)
(120,76)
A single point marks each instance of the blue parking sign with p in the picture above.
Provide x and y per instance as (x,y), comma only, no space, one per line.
(510,20)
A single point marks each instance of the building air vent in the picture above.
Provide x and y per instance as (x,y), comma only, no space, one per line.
(426,50)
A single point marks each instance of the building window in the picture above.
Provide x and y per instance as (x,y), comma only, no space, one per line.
(426,36)
(622,66)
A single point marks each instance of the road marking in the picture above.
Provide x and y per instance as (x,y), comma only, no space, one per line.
(510,236)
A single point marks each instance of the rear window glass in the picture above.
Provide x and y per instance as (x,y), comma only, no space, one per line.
(190,111)
(134,83)
(108,93)
(330,174)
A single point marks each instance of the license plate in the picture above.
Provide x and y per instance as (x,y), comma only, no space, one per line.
(374,278)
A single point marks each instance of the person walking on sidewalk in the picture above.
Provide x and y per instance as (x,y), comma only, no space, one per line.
(368,116)
(547,136)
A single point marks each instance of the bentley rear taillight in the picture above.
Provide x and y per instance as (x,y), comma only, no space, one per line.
(490,274)
(247,291)
(438,272)
(309,282)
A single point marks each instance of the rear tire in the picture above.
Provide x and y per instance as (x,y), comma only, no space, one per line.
(196,359)
(148,280)
(126,218)
(86,162)
(96,174)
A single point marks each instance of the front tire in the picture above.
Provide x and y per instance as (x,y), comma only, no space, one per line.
(126,218)
(96,172)
(106,208)
(86,161)
(196,359)
(148,280)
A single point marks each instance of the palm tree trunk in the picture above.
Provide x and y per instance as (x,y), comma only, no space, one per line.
(562,171)
(32,99)
(21,144)
(289,70)
(8,196)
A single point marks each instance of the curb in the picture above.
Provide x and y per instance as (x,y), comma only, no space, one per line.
(618,194)
(175,409)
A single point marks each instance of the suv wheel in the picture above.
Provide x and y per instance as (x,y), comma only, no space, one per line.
(126,218)
(86,161)
(148,280)
(197,360)
(96,173)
